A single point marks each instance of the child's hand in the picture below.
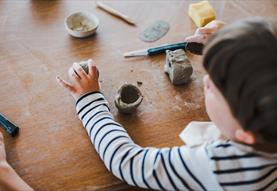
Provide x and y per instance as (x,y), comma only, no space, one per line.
(3,160)
(82,82)
(202,34)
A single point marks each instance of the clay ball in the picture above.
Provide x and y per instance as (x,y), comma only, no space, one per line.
(84,65)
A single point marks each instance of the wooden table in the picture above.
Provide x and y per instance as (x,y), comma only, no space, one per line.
(53,151)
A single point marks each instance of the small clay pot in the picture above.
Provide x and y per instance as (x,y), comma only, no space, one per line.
(128,98)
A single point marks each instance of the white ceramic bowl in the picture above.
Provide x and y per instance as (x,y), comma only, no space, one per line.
(81,24)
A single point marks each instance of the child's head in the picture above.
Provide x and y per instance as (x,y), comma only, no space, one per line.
(241,85)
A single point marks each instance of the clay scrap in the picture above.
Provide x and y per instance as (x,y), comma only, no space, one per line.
(178,67)
(155,31)
(128,98)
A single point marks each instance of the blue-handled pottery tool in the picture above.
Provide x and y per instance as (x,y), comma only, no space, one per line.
(193,47)
(8,126)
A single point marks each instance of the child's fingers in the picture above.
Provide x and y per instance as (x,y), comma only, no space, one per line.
(208,29)
(211,27)
(73,75)
(196,38)
(95,73)
(90,66)
(219,24)
(204,30)
(91,61)
(1,138)
(79,70)
(65,84)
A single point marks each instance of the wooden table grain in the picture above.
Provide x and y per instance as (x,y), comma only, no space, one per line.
(52,151)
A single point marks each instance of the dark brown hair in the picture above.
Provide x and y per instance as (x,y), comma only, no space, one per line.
(241,60)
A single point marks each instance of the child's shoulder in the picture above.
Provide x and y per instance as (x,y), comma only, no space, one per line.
(235,164)
(227,149)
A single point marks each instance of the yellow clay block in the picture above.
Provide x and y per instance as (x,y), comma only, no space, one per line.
(201,13)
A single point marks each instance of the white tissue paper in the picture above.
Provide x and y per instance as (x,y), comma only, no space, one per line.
(197,133)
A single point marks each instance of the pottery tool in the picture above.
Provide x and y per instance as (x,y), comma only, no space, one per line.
(114,12)
(8,126)
(193,47)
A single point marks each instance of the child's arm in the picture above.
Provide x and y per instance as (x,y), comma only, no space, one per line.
(9,179)
(174,168)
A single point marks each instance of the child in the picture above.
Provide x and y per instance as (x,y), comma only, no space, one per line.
(9,179)
(241,100)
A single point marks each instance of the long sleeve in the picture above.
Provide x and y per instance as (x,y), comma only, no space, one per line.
(174,168)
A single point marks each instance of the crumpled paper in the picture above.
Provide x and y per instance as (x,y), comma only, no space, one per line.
(197,133)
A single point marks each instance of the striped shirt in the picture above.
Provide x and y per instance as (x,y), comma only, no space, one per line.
(216,165)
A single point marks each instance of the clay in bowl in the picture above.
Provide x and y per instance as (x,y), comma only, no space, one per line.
(81,24)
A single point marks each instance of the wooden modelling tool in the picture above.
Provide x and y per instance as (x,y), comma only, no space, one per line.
(114,12)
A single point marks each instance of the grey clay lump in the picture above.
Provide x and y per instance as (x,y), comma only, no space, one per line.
(84,65)
(178,67)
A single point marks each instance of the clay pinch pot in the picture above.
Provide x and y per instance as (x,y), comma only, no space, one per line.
(128,98)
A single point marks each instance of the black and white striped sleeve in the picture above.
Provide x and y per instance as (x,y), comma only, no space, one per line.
(177,168)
